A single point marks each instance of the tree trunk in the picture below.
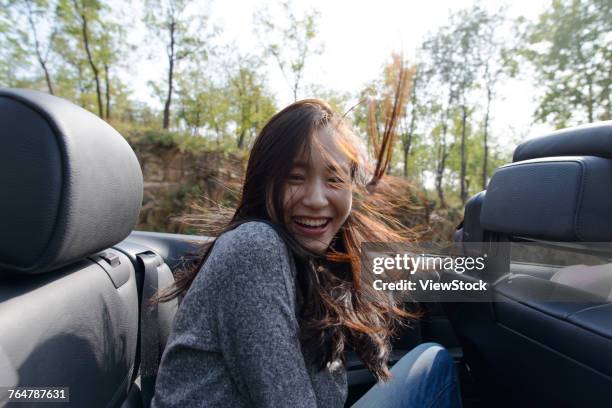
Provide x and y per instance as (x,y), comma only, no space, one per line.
(39,57)
(408,145)
(43,65)
(108,92)
(439,174)
(243,112)
(590,102)
(406,152)
(241,138)
(47,77)
(80,81)
(462,174)
(485,141)
(442,154)
(608,96)
(166,120)
(198,123)
(94,68)
(216,127)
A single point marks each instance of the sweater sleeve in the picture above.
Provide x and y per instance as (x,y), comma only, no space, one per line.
(256,321)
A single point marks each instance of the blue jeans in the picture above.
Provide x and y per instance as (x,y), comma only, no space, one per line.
(423,378)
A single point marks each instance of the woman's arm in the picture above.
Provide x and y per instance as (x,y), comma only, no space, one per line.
(257,326)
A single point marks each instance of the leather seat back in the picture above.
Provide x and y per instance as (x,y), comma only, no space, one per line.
(72,188)
(547,338)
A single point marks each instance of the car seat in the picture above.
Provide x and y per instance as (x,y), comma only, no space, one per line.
(70,302)
(542,338)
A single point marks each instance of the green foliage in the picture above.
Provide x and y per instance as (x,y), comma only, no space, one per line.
(25,42)
(203,105)
(185,37)
(234,104)
(290,43)
(340,101)
(183,141)
(570,48)
(216,98)
(251,105)
(442,140)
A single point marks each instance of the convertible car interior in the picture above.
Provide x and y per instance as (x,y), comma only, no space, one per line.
(75,278)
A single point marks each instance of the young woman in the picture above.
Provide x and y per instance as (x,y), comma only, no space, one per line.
(266,316)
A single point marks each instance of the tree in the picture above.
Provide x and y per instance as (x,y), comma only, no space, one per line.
(457,57)
(13,56)
(290,44)
(471,34)
(338,100)
(571,51)
(499,63)
(85,14)
(252,105)
(72,75)
(183,35)
(109,52)
(35,40)
(27,30)
(407,135)
(203,105)
(228,98)
(439,50)
(90,42)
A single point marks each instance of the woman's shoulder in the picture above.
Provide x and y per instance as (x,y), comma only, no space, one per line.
(251,245)
(251,236)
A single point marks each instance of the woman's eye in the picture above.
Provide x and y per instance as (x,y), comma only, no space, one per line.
(295,177)
(335,180)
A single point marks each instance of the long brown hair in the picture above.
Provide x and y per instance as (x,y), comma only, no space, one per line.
(340,306)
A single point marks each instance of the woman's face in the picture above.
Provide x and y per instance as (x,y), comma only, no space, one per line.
(317,195)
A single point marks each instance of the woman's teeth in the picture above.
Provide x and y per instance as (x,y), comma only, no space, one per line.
(311,222)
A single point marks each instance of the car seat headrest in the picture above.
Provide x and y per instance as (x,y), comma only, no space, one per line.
(470,233)
(472,230)
(557,198)
(71,185)
(594,139)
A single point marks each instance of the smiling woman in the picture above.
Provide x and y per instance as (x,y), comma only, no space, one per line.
(268,312)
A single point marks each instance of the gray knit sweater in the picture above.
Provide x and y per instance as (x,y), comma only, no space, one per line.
(234,341)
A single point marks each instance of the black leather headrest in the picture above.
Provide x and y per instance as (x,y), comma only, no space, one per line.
(469,235)
(71,185)
(594,139)
(557,198)
(472,230)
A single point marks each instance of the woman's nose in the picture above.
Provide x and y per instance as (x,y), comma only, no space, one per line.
(316,194)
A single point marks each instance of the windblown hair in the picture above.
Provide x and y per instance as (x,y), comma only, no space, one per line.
(340,306)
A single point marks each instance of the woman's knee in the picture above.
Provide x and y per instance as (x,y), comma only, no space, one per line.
(439,357)
(438,353)
(434,351)
(428,359)
(425,376)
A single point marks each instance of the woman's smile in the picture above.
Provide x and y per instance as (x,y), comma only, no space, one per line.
(312,226)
